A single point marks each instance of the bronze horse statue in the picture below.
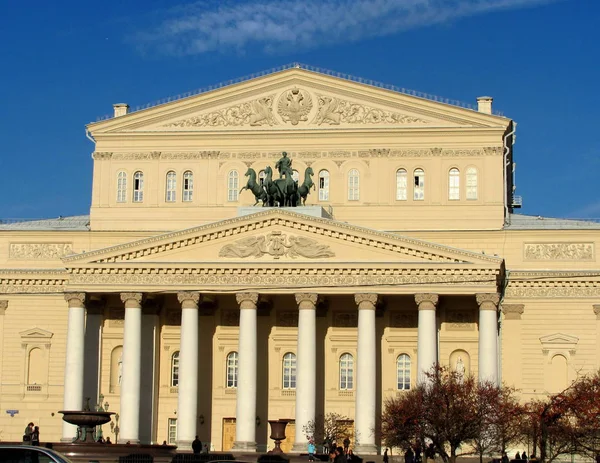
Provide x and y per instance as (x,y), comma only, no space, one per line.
(283,191)
(256,188)
(304,189)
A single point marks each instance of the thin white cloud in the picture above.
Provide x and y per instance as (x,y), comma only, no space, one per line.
(276,25)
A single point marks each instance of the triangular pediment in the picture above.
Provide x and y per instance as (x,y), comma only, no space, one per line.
(297,99)
(36,334)
(280,235)
(559,339)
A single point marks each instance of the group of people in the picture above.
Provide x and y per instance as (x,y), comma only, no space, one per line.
(102,440)
(520,456)
(31,436)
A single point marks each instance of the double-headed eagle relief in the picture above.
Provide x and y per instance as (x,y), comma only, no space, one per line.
(281,192)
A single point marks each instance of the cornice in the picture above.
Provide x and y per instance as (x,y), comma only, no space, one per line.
(291,220)
(550,283)
(15,281)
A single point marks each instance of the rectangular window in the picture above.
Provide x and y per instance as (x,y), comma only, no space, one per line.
(172,431)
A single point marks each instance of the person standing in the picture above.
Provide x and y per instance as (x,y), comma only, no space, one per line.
(386,459)
(430,454)
(196,445)
(27,434)
(35,436)
(409,456)
(311,450)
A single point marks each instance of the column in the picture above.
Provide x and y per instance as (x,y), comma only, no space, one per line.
(596,308)
(73,398)
(187,399)
(130,382)
(3,307)
(488,336)
(364,415)
(426,335)
(245,425)
(93,341)
(306,361)
(511,343)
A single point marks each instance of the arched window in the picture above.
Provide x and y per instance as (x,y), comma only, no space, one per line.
(353,185)
(296,176)
(262,175)
(138,187)
(232,186)
(401,185)
(188,186)
(403,371)
(346,372)
(121,187)
(232,370)
(35,367)
(419,185)
(323,185)
(289,371)
(116,368)
(471,183)
(175,369)
(454,184)
(171,187)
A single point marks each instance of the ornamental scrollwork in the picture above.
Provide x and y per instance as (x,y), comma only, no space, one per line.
(254,113)
(39,251)
(294,105)
(276,244)
(559,251)
(334,111)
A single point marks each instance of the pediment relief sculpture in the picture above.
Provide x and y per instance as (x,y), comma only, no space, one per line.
(276,244)
(294,105)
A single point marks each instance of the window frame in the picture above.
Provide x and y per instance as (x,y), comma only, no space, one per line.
(233,185)
(175,369)
(324,190)
(401,190)
(289,371)
(403,372)
(231,365)
(171,187)
(472,183)
(353,185)
(138,187)
(121,186)
(172,431)
(346,372)
(419,187)
(454,184)
(187,186)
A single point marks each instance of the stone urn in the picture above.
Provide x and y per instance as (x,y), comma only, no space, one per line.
(277,434)
(86,420)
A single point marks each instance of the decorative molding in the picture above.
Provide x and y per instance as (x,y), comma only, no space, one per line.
(333,111)
(559,344)
(366,301)
(101,155)
(459,320)
(188,298)
(276,244)
(75,299)
(3,306)
(247,300)
(426,301)
(287,318)
(116,317)
(132,300)
(596,308)
(190,155)
(306,300)
(254,113)
(549,284)
(559,251)
(39,251)
(513,311)
(294,105)
(487,301)
(138,156)
(403,319)
(345,319)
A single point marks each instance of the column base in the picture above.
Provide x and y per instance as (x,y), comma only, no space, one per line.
(299,448)
(128,441)
(365,449)
(67,440)
(184,445)
(244,446)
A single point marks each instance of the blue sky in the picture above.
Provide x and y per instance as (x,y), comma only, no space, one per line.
(65,63)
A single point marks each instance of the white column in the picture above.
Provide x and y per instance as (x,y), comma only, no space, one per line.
(426,335)
(245,424)
(187,399)
(306,373)
(73,398)
(488,336)
(129,421)
(364,423)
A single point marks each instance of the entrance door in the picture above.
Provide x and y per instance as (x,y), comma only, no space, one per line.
(290,435)
(228,433)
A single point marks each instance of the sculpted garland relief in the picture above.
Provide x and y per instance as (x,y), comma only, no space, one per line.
(559,251)
(276,244)
(39,251)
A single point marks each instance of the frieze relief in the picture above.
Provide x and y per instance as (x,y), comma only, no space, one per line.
(559,251)
(276,244)
(254,113)
(403,319)
(334,111)
(39,251)
(345,319)
(459,320)
(289,318)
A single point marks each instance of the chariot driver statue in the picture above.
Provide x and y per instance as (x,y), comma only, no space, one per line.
(284,165)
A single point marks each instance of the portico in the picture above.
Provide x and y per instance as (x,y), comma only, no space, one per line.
(206,265)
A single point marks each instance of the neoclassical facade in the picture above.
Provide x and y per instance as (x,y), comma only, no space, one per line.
(190,310)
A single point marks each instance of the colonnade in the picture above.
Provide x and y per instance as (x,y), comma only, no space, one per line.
(365,389)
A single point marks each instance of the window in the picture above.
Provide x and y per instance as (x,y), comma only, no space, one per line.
(121,187)
(35,367)
(403,371)
(172,431)
(175,369)
(116,368)
(171,187)
(471,183)
(262,175)
(454,184)
(401,185)
(353,187)
(419,185)
(138,187)
(188,186)
(232,370)
(232,186)
(289,371)
(346,372)
(323,185)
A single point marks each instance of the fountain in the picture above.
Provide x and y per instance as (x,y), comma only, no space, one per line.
(277,434)
(86,420)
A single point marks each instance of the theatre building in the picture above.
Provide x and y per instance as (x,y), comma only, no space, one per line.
(189,310)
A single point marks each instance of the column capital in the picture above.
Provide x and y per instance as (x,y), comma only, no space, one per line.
(426,301)
(306,301)
(595,306)
(487,301)
(3,306)
(366,301)
(132,300)
(513,311)
(188,299)
(75,299)
(247,300)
